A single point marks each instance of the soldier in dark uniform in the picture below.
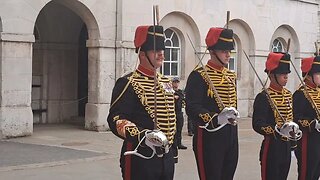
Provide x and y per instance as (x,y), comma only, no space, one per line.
(215,140)
(179,103)
(147,152)
(275,153)
(306,105)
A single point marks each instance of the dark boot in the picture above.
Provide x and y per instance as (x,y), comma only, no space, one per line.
(181,146)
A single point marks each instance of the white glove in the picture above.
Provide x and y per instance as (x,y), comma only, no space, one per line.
(290,130)
(228,115)
(157,141)
(317,125)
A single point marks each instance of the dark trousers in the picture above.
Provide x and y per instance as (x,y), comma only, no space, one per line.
(275,158)
(180,121)
(137,168)
(190,126)
(216,153)
(308,155)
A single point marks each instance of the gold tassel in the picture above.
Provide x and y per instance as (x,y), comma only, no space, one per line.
(210,93)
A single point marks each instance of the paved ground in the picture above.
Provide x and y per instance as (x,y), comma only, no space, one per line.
(67,152)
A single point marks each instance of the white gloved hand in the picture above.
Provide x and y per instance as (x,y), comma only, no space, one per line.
(317,125)
(290,130)
(228,115)
(157,141)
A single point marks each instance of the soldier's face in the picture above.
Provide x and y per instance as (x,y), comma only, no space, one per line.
(316,78)
(282,79)
(223,55)
(175,84)
(156,57)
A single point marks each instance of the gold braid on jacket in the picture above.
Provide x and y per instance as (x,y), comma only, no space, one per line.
(283,102)
(224,82)
(144,88)
(313,96)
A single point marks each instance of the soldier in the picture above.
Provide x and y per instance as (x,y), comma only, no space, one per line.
(211,103)
(306,104)
(179,103)
(273,118)
(147,152)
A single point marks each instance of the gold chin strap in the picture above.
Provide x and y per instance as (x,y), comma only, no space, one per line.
(284,61)
(226,39)
(157,34)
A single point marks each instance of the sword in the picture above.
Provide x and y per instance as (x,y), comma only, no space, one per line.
(155,22)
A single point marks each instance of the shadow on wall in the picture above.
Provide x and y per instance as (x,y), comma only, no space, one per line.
(0,25)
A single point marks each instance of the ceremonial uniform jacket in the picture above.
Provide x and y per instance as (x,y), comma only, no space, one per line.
(305,103)
(132,107)
(202,104)
(265,117)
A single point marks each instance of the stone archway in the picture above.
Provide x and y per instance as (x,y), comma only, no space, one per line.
(61,62)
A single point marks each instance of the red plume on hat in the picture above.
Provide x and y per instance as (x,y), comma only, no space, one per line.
(140,36)
(273,61)
(213,36)
(306,64)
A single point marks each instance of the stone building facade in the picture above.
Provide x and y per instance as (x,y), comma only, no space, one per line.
(60,58)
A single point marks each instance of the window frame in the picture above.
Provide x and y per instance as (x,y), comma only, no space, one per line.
(170,50)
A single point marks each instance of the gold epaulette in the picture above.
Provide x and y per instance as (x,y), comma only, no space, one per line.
(122,92)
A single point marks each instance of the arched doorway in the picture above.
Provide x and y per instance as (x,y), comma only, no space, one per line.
(59,66)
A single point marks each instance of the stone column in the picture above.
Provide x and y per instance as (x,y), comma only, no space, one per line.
(16,118)
(101,79)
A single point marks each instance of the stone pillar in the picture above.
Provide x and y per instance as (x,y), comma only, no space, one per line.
(16,118)
(101,79)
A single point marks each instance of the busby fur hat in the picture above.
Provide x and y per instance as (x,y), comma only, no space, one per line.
(278,63)
(144,38)
(220,39)
(310,65)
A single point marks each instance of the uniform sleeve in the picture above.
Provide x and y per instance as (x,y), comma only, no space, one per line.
(303,119)
(123,102)
(196,89)
(261,119)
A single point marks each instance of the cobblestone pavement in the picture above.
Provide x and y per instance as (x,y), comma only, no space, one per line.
(67,152)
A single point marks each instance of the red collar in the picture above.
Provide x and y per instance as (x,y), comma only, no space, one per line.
(310,84)
(145,71)
(215,66)
(276,87)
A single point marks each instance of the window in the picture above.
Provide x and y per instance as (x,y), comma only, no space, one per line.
(232,66)
(277,46)
(171,64)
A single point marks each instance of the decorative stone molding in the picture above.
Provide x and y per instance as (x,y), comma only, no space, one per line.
(11,37)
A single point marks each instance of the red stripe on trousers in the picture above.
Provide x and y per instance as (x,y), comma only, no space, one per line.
(200,154)
(264,158)
(304,150)
(127,169)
